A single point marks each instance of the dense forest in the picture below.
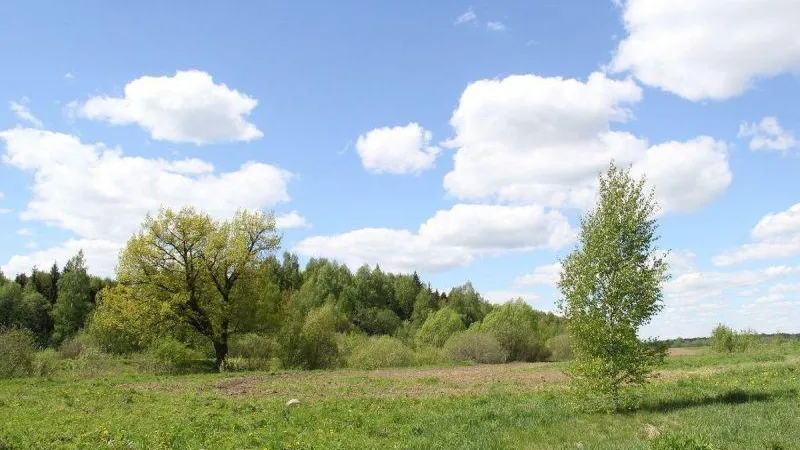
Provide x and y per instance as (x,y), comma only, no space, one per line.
(269,311)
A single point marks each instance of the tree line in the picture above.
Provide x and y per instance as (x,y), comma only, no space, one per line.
(221,286)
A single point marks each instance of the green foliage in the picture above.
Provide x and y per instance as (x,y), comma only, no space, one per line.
(170,356)
(680,441)
(25,308)
(77,346)
(254,346)
(424,305)
(723,339)
(439,327)
(468,303)
(611,286)
(379,352)
(560,347)
(429,356)
(476,347)
(193,267)
(318,339)
(514,325)
(726,340)
(17,348)
(46,362)
(74,299)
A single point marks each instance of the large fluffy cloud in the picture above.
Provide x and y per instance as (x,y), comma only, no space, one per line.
(709,49)
(99,193)
(397,150)
(527,138)
(449,239)
(186,107)
(776,235)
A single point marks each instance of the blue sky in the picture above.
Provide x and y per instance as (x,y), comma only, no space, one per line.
(460,139)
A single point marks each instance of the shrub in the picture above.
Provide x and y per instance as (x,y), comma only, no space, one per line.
(318,338)
(46,362)
(17,347)
(560,347)
(381,351)
(513,324)
(171,356)
(77,346)
(480,348)
(253,346)
(723,339)
(439,327)
(430,356)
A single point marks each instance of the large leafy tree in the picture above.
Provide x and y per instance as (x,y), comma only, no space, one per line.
(200,268)
(612,285)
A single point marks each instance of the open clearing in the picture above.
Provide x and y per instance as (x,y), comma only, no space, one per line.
(744,401)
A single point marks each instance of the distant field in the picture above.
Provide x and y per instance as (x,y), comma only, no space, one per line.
(701,400)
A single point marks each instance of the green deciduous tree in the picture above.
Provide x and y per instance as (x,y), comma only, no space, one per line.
(514,325)
(439,327)
(75,300)
(612,285)
(198,267)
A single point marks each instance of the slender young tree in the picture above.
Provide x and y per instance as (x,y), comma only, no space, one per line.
(74,301)
(611,285)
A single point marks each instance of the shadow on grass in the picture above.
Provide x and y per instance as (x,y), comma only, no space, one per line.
(731,397)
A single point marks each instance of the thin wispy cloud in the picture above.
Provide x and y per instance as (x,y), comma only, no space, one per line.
(496,26)
(468,17)
(21,110)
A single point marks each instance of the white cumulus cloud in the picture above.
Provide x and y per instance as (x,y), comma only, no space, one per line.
(541,276)
(186,107)
(291,219)
(100,194)
(451,238)
(533,139)
(776,235)
(397,150)
(709,49)
(768,135)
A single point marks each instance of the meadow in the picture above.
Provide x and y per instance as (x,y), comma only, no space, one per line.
(700,400)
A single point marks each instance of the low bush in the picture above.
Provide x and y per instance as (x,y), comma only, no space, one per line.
(169,356)
(46,362)
(17,348)
(253,346)
(429,356)
(378,352)
(476,347)
(726,340)
(560,347)
(78,345)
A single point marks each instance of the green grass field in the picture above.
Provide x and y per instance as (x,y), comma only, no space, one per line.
(700,400)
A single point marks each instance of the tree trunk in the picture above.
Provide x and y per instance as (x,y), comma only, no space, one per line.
(615,397)
(220,351)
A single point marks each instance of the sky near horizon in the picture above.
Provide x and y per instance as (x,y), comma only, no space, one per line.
(458,139)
